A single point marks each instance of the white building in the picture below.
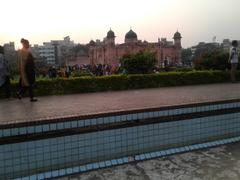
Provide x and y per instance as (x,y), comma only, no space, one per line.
(10,47)
(46,51)
(55,51)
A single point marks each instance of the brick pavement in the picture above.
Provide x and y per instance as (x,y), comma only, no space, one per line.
(15,110)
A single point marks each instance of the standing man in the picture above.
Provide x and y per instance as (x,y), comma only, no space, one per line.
(4,74)
(26,70)
(234,60)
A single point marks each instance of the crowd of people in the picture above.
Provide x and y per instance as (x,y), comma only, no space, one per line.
(94,70)
(27,70)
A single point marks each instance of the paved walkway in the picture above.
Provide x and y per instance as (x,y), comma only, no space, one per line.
(15,110)
(220,163)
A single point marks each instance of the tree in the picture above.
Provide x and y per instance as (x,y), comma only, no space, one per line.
(187,57)
(217,60)
(139,63)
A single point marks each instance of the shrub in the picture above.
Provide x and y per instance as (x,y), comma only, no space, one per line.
(125,82)
(217,60)
(140,63)
(80,73)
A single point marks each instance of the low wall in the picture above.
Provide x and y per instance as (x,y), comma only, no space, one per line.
(56,147)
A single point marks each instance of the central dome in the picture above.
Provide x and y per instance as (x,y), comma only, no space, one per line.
(131,35)
(110,34)
(177,35)
(92,43)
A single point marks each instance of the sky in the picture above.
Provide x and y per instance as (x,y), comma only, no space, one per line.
(83,20)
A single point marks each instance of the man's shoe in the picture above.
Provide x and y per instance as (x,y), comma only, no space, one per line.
(33,100)
(19,96)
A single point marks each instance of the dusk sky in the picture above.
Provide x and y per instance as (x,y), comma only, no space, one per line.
(45,20)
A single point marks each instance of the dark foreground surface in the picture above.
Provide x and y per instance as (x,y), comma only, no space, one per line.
(220,163)
(15,110)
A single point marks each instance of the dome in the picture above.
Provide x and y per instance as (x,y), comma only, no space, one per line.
(131,35)
(110,34)
(92,43)
(177,35)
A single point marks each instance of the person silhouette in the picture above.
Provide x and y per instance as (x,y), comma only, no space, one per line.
(4,74)
(234,60)
(26,71)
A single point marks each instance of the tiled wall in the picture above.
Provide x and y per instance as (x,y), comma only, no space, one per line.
(59,156)
(6,132)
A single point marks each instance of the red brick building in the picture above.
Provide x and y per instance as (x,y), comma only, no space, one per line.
(107,52)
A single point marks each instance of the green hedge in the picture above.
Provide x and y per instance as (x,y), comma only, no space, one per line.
(126,82)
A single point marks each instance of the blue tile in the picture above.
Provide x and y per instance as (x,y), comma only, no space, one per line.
(148,156)
(112,119)
(171,112)
(129,117)
(153,154)
(14,132)
(168,152)
(221,142)
(140,115)
(215,143)
(74,124)
(191,148)
(134,117)
(108,163)
(118,118)
(102,164)
(6,132)
(137,157)
(114,162)
(158,153)
(46,127)
(60,125)
(69,170)
(120,161)
(95,165)
(155,114)
(67,125)
(40,176)
(33,177)
(145,115)
(151,114)
(76,169)
(53,126)
(125,160)
(55,173)
(173,151)
(62,172)
(99,120)
(93,121)
(88,122)
(123,117)
(38,129)
(81,123)
(163,153)
(106,120)
(209,144)
(177,150)
(89,167)
(164,113)
(142,157)
(25,178)
(48,175)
